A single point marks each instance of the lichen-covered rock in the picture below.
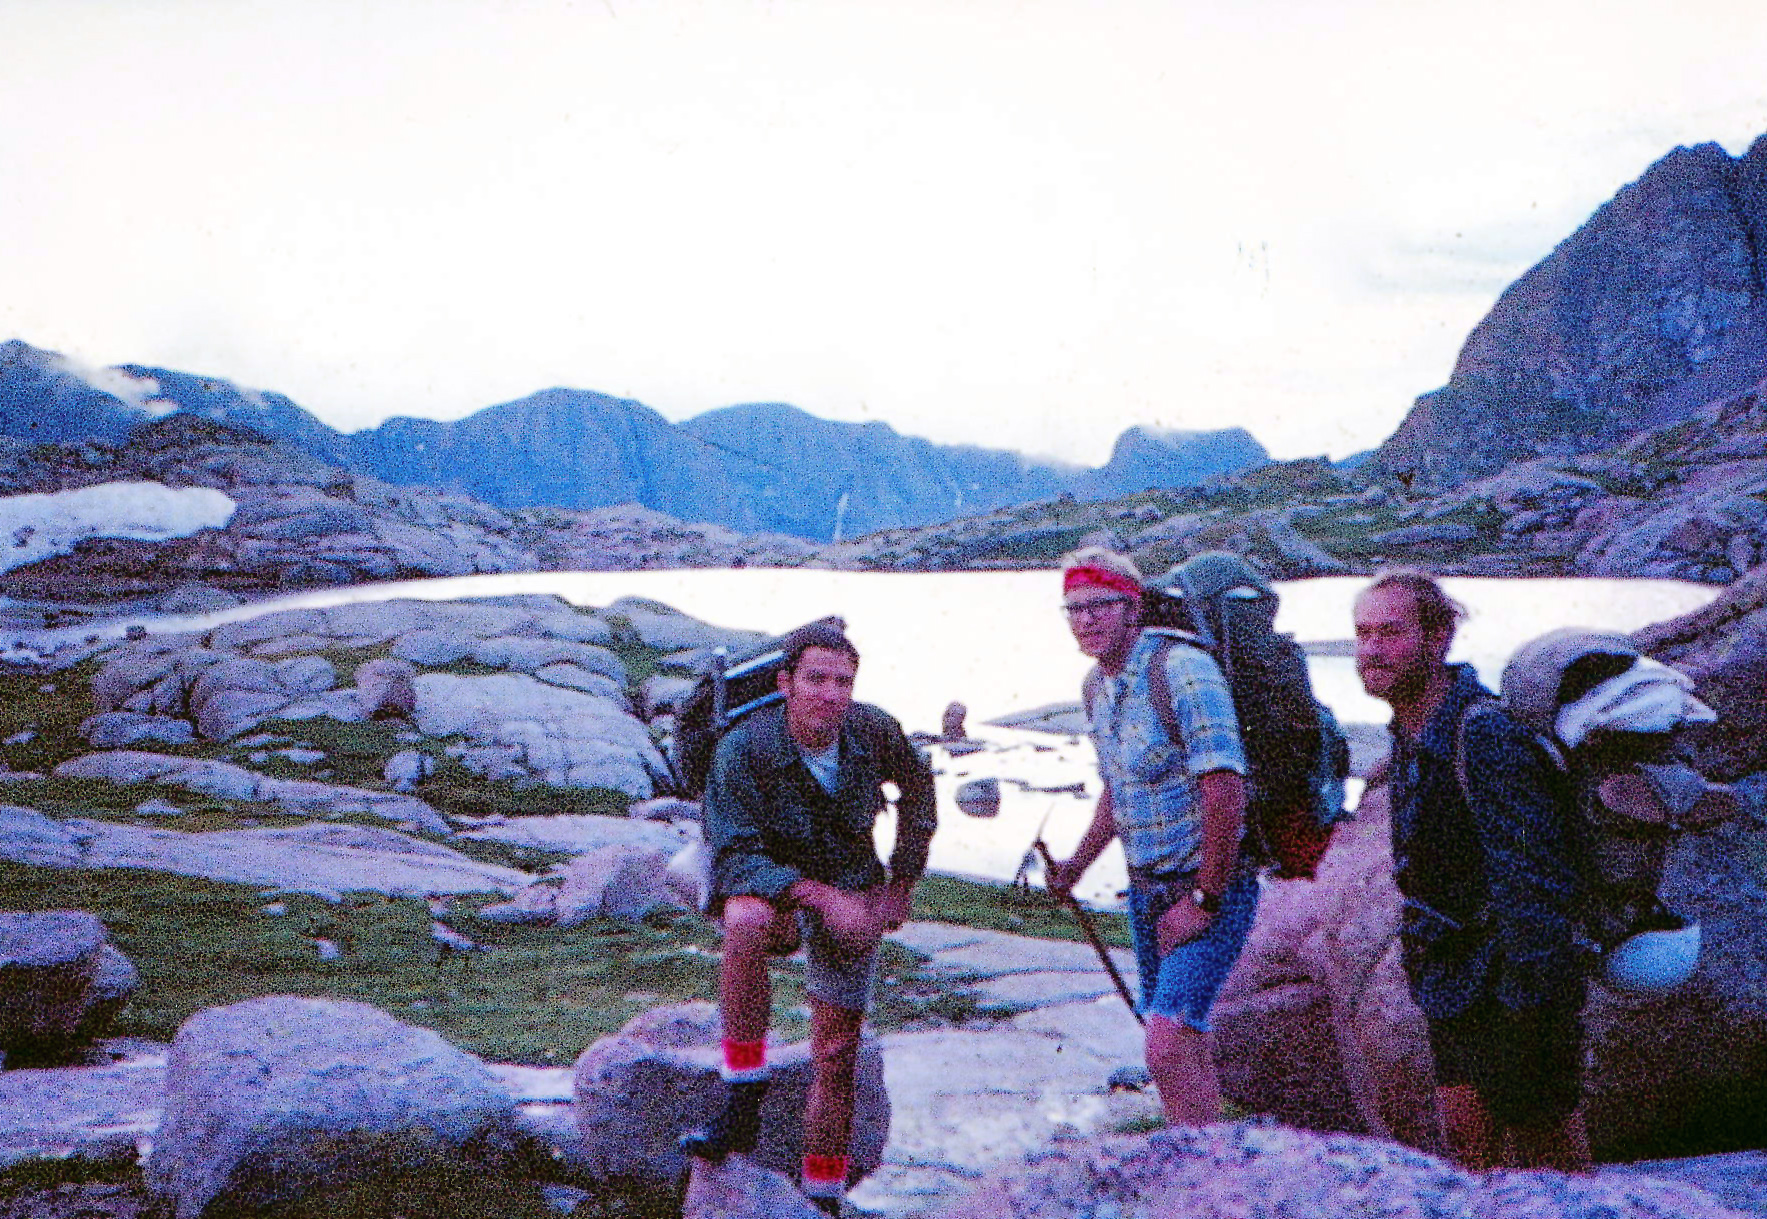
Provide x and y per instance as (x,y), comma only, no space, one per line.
(386,688)
(50,966)
(613,881)
(1235,1171)
(1316,1024)
(266,1098)
(637,1090)
(120,729)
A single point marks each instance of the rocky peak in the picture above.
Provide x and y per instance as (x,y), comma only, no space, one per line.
(1147,458)
(1654,307)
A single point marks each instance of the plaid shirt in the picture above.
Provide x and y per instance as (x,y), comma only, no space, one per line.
(1152,779)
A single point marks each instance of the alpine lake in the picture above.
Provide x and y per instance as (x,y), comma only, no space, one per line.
(998,643)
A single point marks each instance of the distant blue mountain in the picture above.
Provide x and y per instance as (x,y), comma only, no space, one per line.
(760,466)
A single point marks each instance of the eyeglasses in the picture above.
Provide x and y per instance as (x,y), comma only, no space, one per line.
(1092,609)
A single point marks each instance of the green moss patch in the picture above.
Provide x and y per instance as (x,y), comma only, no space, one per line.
(946,899)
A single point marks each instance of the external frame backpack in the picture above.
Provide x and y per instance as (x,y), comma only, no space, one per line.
(1626,792)
(727,692)
(1297,756)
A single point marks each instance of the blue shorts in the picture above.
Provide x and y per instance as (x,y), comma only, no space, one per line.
(1183,985)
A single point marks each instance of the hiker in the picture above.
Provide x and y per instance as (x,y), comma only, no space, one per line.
(792,796)
(1178,806)
(1483,857)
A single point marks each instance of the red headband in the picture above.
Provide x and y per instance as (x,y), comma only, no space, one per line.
(1086,575)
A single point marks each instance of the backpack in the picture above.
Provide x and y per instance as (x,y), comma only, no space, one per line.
(722,696)
(1625,792)
(1296,754)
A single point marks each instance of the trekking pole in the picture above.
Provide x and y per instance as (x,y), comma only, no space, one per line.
(1086,925)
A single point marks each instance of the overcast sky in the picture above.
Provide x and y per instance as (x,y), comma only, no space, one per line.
(1027,224)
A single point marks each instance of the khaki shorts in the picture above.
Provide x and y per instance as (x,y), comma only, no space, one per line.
(830,975)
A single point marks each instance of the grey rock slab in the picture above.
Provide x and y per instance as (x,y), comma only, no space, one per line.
(1247,1168)
(385,686)
(49,965)
(1738,1179)
(1066,719)
(196,599)
(48,939)
(576,677)
(27,836)
(1105,1026)
(94,1113)
(432,647)
(225,781)
(526,654)
(580,833)
(638,1089)
(963,1102)
(306,674)
(118,729)
(614,881)
(979,797)
(741,1189)
(320,858)
(989,954)
(405,769)
(1018,991)
(569,624)
(667,808)
(563,737)
(673,631)
(267,1097)
(927,937)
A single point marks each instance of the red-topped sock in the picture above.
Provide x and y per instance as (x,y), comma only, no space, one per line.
(745,1061)
(737,1126)
(825,1176)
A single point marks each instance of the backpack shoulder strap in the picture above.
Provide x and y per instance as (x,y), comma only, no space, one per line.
(1090,689)
(1159,687)
(1483,705)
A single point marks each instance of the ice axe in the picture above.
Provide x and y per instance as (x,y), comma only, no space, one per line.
(1087,926)
(1041,848)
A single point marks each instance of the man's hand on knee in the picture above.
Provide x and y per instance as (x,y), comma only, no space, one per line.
(851,920)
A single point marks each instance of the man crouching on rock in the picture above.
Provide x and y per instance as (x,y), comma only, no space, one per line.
(789,808)
(1179,807)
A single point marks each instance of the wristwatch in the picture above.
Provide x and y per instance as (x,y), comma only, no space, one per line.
(1208,903)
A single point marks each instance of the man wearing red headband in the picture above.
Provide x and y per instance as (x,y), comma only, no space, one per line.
(1174,794)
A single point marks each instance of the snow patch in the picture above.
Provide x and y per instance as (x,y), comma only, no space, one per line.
(139,392)
(35,527)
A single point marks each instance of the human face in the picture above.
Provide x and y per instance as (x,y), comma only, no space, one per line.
(1103,620)
(1394,657)
(817,695)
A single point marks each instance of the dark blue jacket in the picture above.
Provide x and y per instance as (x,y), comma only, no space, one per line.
(1490,890)
(768,822)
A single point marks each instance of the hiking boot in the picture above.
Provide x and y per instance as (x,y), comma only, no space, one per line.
(737,1127)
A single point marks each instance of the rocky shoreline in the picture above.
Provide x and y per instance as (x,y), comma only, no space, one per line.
(424,757)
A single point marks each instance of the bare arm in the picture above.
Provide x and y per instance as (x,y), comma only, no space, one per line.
(1223,800)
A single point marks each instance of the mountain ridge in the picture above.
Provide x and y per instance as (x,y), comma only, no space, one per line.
(754,467)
